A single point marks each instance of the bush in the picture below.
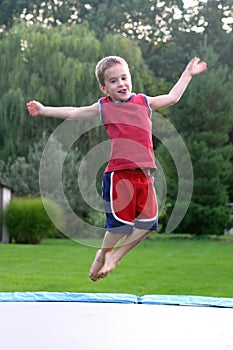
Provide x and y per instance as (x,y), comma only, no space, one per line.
(28,222)
(206,220)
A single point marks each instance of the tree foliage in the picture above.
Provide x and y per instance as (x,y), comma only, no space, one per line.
(49,51)
(55,66)
(149,20)
(204,118)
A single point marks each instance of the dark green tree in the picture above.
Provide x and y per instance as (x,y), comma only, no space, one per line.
(204,118)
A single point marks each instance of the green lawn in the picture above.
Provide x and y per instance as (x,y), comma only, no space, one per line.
(180,267)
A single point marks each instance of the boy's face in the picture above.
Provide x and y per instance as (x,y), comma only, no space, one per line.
(118,83)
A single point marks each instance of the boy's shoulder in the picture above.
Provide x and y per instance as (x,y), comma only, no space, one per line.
(140,99)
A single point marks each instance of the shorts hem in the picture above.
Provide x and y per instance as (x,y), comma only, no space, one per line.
(150,226)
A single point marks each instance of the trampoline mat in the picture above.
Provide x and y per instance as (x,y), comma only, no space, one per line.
(107,325)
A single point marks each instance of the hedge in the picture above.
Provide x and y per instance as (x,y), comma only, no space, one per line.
(27,221)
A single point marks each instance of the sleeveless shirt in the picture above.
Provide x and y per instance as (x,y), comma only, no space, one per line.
(129,128)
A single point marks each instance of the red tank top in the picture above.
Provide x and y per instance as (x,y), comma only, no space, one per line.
(129,127)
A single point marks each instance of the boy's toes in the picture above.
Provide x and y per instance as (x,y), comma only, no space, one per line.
(93,277)
(96,266)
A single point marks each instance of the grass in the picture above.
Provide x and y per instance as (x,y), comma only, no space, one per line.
(179,267)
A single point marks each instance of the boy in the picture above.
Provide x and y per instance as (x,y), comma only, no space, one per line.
(128,192)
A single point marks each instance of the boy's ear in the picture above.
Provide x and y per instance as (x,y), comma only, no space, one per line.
(102,88)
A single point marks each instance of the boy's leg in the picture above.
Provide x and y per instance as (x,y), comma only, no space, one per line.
(112,258)
(106,259)
(109,242)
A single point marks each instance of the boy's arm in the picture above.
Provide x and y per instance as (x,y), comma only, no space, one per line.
(194,67)
(36,108)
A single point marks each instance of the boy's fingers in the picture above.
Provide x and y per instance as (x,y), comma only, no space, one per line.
(31,108)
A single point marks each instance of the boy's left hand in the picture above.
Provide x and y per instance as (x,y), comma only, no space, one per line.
(195,66)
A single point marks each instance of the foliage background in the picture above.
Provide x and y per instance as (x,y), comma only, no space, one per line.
(49,51)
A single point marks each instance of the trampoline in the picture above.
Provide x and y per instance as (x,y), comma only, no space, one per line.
(105,321)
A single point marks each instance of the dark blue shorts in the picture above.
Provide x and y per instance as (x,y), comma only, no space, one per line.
(129,201)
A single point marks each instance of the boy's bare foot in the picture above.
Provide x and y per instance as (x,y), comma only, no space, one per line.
(109,265)
(96,266)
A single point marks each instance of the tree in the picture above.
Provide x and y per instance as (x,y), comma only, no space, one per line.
(12,9)
(153,21)
(47,65)
(204,118)
(214,16)
(215,20)
(57,67)
(135,19)
(54,66)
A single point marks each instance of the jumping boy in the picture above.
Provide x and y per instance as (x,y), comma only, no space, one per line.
(128,191)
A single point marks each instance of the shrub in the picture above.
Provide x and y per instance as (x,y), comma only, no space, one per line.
(28,222)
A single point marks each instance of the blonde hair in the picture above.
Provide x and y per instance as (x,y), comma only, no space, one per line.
(106,63)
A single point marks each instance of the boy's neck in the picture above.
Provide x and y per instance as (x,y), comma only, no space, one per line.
(122,100)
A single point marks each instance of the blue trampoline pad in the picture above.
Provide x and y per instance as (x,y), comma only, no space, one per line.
(68,297)
(116,298)
(188,300)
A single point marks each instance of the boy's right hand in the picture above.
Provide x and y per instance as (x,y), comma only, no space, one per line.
(35,108)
